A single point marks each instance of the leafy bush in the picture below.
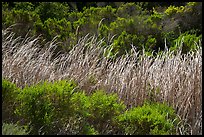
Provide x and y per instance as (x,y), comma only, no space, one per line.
(122,44)
(129,9)
(80,107)
(104,109)
(13,129)
(46,106)
(149,119)
(23,21)
(8,90)
(188,16)
(171,10)
(58,10)
(98,110)
(54,27)
(188,41)
(9,93)
(49,106)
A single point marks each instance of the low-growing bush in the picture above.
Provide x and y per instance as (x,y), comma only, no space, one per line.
(104,109)
(149,119)
(8,90)
(9,93)
(57,108)
(46,106)
(98,110)
(13,129)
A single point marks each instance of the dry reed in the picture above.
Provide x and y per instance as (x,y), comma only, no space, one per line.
(169,77)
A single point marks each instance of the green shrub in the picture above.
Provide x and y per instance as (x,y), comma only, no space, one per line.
(26,6)
(8,90)
(104,109)
(98,110)
(129,9)
(9,94)
(57,18)
(189,42)
(187,17)
(46,106)
(13,129)
(81,104)
(171,10)
(54,27)
(25,21)
(58,10)
(149,119)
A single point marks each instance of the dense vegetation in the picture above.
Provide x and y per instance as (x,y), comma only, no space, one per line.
(49,108)
(60,108)
(149,25)
(114,68)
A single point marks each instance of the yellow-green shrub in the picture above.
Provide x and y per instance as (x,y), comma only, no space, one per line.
(46,106)
(149,119)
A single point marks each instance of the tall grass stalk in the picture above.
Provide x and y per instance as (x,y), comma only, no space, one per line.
(170,76)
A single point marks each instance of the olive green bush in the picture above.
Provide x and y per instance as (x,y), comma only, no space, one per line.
(149,119)
(9,94)
(104,109)
(45,106)
(98,110)
(13,129)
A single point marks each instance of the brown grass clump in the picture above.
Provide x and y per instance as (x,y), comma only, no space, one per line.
(169,77)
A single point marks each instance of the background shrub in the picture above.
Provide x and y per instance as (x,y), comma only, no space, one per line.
(189,42)
(72,20)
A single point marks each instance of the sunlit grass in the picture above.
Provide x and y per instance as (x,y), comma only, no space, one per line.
(170,77)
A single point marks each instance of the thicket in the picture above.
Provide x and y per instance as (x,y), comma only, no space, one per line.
(60,107)
(151,25)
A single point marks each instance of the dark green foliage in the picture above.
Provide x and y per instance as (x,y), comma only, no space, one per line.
(54,27)
(151,42)
(149,119)
(24,21)
(147,24)
(25,6)
(122,44)
(187,17)
(58,10)
(128,10)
